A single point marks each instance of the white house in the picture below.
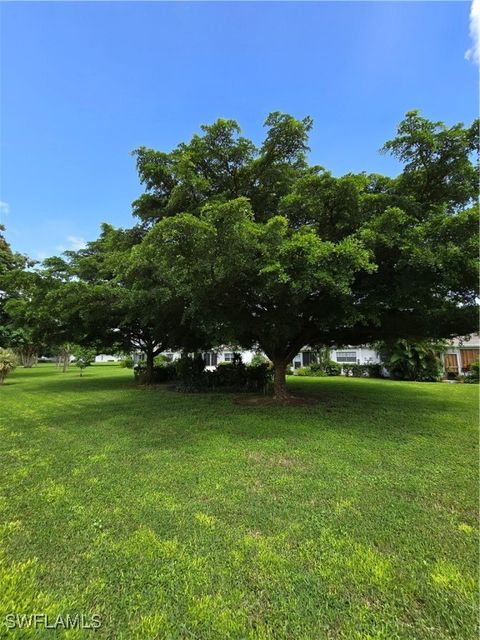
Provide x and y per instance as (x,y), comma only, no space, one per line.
(345,355)
(103,357)
(458,357)
(215,357)
(225,353)
(461,353)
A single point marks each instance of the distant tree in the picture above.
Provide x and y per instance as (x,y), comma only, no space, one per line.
(122,305)
(40,316)
(10,262)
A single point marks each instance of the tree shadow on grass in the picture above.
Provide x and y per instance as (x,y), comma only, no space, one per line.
(164,419)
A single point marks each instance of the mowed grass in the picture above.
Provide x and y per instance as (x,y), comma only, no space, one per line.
(188,516)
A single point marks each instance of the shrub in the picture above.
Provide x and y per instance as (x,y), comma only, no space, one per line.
(8,362)
(475,371)
(375,370)
(317,367)
(332,368)
(302,371)
(127,363)
(228,375)
(190,373)
(358,370)
(259,358)
(162,373)
(160,360)
(473,376)
(259,377)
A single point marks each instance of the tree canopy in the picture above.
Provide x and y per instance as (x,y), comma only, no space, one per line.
(279,254)
(250,244)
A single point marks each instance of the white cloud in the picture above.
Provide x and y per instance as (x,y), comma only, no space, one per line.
(74,244)
(473,53)
(4,208)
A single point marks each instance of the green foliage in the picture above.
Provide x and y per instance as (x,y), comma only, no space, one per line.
(190,370)
(473,376)
(332,368)
(302,256)
(317,369)
(250,245)
(364,370)
(438,168)
(375,370)
(161,373)
(321,357)
(84,357)
(259,358)
(127,363)
(191,376)
(413,360)
(8,363)
(302,372)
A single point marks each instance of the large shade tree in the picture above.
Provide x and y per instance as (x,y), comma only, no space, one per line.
(270,251)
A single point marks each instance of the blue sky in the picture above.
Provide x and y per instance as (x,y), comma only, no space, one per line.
(85,83)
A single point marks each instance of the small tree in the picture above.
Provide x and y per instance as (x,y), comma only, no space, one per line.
(8,362)
(84,358)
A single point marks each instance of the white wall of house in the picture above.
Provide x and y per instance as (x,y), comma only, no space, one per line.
(212,358)
(344,356)
(362,354)
(103,357)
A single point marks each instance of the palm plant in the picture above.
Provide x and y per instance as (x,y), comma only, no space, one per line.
(413,360)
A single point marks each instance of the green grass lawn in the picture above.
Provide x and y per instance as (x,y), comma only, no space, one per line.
(188,516)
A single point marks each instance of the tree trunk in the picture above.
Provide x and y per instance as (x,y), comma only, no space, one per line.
(279,379)
(65,359)
(28,356)
(149,367)
(65,363)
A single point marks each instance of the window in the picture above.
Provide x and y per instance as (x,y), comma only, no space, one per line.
(228,356)
(210,359)
(451,363)
(308,358)
(347,356)
(297,361)
(469,356)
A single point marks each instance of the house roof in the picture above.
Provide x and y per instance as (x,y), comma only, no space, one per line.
(468,342)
